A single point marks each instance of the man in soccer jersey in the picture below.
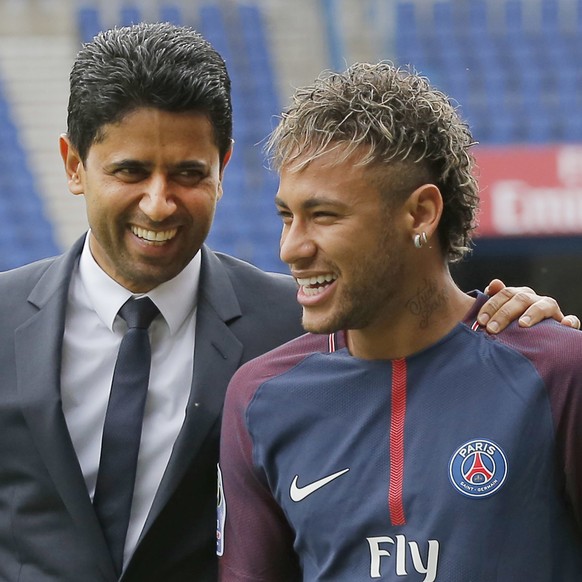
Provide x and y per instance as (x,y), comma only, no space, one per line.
(397,439)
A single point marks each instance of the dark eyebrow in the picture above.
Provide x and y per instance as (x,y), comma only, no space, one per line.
(185,165)
(191,165)
(128,163)
(311,202)
(280,202)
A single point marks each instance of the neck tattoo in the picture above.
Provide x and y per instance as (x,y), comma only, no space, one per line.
(426,301)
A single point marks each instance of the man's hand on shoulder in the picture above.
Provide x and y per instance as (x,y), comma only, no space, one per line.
(507,304)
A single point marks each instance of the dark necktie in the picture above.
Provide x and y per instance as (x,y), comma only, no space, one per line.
(122,429)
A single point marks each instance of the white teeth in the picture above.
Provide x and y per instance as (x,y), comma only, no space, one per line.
(319,279)
(314,290)
(152,235)
(316,284)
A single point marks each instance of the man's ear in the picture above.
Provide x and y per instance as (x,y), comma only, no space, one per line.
(425,208)
(225,161)
(73,165)
(227,156)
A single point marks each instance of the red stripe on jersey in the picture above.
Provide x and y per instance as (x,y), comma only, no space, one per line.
(395,503)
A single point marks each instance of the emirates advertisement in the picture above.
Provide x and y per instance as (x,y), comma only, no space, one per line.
(529,191)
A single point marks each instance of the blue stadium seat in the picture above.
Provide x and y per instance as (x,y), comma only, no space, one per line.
(530,83)
(549,11)
(487,54)
(556,50)
(503,127)
(171,13)
(89,22)
(452,55)
(408,35)
(27,235)
(130,14)
(457,86)
(443,21)
(568,87)
(477,17)
(494,81)
(514,17)
(414,54)
(406,17)
(264,101)
(540,128)
(213,27)
(571,128)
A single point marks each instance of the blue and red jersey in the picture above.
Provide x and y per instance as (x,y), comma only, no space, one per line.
(460,463)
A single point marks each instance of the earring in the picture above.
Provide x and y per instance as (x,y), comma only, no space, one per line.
(420,239)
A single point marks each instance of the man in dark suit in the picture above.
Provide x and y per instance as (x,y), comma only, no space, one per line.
(149,137)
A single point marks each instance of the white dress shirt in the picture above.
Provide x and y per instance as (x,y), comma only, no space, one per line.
(93,333)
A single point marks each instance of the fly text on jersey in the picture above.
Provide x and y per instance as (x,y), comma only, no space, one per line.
(395,552)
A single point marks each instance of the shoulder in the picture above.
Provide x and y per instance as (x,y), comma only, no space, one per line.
(21,281)
(241,272)
(16,288)
(260,308)
(547,339)
(252,375)
(26,289)
(554,350)
(51,272)
(272,297)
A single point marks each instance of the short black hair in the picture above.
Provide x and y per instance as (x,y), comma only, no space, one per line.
(159,65)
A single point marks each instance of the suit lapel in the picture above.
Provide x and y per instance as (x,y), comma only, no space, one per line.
(217,356)
(39,340)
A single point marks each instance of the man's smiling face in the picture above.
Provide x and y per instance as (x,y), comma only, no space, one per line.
(344,247)
(151,183)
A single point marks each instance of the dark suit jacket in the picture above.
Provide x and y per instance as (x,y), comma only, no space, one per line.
(48,529)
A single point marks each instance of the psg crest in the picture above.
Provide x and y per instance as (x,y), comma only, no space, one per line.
(478,468)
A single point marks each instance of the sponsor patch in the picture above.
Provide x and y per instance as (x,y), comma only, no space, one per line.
(220,515)
(478,468)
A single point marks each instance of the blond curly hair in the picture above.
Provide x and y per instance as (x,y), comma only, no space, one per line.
(392,117)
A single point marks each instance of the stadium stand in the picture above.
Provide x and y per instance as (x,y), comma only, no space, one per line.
(245,223)
(26,234)
(515,73)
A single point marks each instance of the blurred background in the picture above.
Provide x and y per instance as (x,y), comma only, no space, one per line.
(514,67)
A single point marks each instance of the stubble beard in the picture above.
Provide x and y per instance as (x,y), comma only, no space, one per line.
(376,284)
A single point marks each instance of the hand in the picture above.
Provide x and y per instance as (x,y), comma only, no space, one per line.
(509,303)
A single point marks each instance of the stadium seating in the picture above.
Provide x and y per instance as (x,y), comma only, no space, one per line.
(526,70)
(88,22)
(26,234)
(246,224)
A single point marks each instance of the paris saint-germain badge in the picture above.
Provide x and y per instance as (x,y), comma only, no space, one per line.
(478,468)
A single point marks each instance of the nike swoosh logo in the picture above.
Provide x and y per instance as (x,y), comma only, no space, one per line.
(300,493)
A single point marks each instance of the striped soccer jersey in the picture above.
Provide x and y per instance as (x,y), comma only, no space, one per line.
(460,463)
